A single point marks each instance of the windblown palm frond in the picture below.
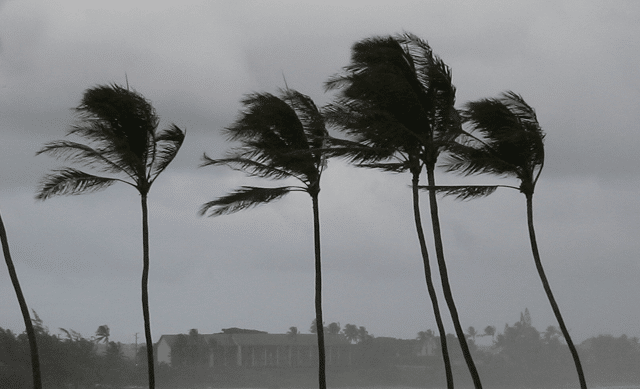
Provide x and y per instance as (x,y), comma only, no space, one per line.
(249,166)
(85,155)
(168,144)
(467,192)
(243,198)
(69,181)
(481,159)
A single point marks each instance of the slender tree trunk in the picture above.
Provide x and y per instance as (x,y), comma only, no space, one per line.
(31,334)
(444,277)
(427,276)
(322,378)
(145,291)
(547,289)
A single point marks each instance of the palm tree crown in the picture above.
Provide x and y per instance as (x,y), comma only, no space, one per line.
(396,97)
(503,138)
(121,127)
(281,137)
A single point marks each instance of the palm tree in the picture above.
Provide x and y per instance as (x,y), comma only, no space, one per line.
(472,332)
(102,334)
(281,137)
(121,127)
(333,328)
(396,95)
(490,331)
(350,331)
(505,139)
(293,333)
(31,334)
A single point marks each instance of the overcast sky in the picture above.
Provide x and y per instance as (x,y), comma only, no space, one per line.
(79,259)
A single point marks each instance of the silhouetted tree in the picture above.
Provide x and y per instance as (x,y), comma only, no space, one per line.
(490,331)
(102,334)
(471,331)
(363,334)
(333,328)
(504,138)
(281,137)
(396,96)
(24,309)
(121,128)
(350,331)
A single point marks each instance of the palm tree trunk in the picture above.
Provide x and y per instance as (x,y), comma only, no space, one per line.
(322,379)
(427,276)
(444,277)
(145,291)
(31,334)
(547,289)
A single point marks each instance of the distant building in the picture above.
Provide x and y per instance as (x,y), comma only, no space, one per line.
(427,347)
(253,350)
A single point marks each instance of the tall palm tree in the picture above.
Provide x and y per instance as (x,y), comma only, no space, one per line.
(396,95)
(281,137)
(31,334)
(505,139)
(121,128)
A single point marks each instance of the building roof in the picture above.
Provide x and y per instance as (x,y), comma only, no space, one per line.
(263,339)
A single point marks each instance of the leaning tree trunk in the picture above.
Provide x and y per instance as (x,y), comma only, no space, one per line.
(547,289)
(427,276)
(31,334)
(446,288)
(145,291)
(322,377)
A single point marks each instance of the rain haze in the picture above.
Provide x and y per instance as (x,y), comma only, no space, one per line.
(79,258)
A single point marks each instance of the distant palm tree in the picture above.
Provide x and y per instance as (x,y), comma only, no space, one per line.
(396,96)
(350,331)
(293,333)
(505,139)
(31,334)
(490,331)
(282,137)
(333,328)
(471,331)
(120,125)
(102,334)
(363,334)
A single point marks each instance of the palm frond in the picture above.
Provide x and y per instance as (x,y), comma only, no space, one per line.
(469,160)
(85,155)
(69,181)
(243,198)
(463,192)
(249,166)
(168,144)
(393,167)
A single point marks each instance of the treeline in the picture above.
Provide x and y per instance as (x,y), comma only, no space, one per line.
(67,360)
